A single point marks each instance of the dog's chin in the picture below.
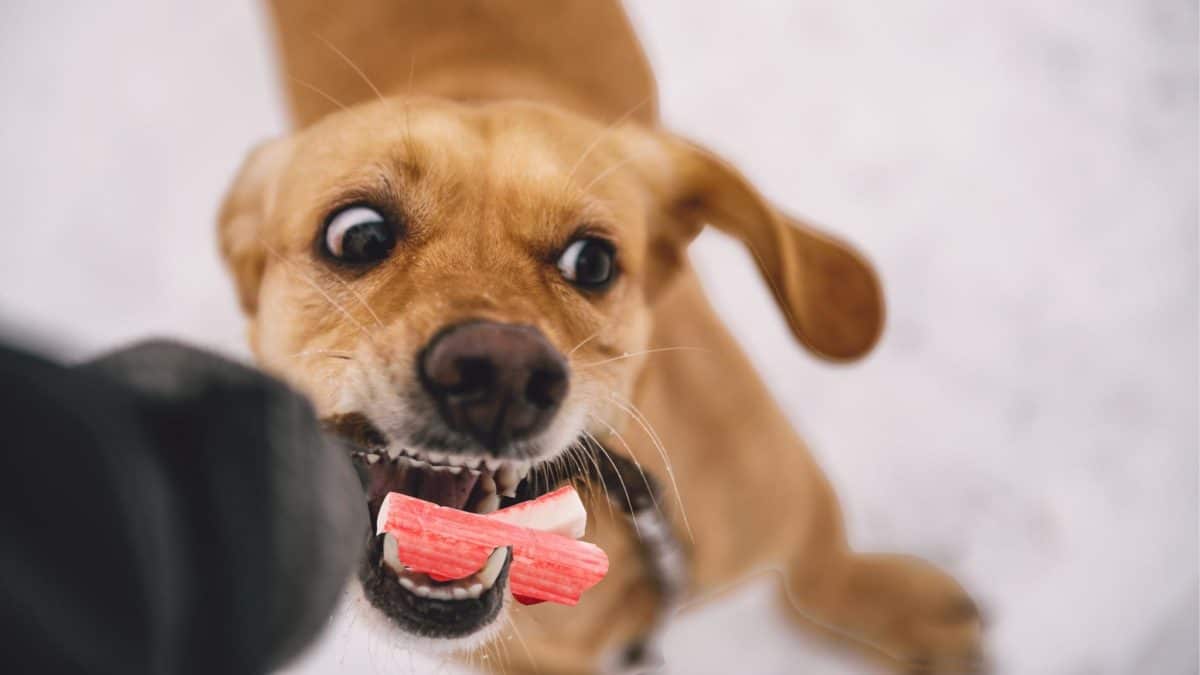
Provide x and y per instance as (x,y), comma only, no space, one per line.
(433,611)
(455,614)
(404,635)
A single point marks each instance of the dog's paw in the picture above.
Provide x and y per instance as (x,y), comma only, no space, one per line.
(914,613)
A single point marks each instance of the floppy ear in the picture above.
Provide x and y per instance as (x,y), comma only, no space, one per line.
(247,206)
(828,291)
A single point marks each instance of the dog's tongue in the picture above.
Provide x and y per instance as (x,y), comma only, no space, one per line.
(548,563)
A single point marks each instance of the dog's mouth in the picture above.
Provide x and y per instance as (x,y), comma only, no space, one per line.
(418,603)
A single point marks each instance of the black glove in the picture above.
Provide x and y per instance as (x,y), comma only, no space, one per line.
(164,510)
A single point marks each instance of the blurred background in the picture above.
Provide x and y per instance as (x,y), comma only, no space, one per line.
(1023,173)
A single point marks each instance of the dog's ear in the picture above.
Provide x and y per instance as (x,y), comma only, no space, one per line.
(828,291)
(247,206)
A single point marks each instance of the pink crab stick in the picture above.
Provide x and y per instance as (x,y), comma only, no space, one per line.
(447,543)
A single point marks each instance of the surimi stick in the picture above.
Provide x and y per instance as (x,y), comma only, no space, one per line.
(447,543)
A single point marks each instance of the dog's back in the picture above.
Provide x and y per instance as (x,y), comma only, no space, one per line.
(581,54)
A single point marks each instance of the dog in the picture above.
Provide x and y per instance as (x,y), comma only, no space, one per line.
(471,255)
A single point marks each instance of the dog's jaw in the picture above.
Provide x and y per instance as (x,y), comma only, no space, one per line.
(384,629)
(381,430)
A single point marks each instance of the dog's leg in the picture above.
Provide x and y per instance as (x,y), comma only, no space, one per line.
(638,496)
(915,615)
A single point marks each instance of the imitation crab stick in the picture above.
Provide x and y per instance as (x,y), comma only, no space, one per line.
(560,512)
(447,543)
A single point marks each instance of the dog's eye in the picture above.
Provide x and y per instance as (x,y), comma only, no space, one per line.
(358,234)
(588,262)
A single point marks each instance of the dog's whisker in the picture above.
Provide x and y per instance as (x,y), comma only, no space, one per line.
(587,339)
(574,451)
(589,461)
(630,355)
(580,448)
(633,456)
(410,158)
(565,473)
(483,651)
(539,476)
(628,497)
(632,411)
(521,639)
(353,66)
(613,167)
(556,475)
(502,646)
(476,653)
(408,142)
(492,654)
(569,462)
(591,457)
(600,137)
(317,287)
(323,352)
(360,300)
(318,91)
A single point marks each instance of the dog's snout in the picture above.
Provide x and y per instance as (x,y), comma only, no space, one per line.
(496,382)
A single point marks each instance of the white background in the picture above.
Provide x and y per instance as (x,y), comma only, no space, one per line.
(1023,172)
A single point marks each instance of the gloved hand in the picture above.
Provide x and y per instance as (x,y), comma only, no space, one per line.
(165,510)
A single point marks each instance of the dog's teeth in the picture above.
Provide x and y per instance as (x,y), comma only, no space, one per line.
(455,470)
(391,551)
(461,589)
(493,464)
(506,480)
(372,458)
(435,457)
(488,504)
(523,471)
(487,483)
(495,562)
(393,451)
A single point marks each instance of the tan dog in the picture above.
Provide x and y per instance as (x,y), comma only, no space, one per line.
(479,266)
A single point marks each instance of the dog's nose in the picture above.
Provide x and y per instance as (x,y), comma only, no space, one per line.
(497,382)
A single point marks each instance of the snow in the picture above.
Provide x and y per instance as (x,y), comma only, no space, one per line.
(1024,174)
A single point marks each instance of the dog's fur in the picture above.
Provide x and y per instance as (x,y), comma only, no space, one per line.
(498,129)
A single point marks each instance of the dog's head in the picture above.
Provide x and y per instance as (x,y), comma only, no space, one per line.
(465,290)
